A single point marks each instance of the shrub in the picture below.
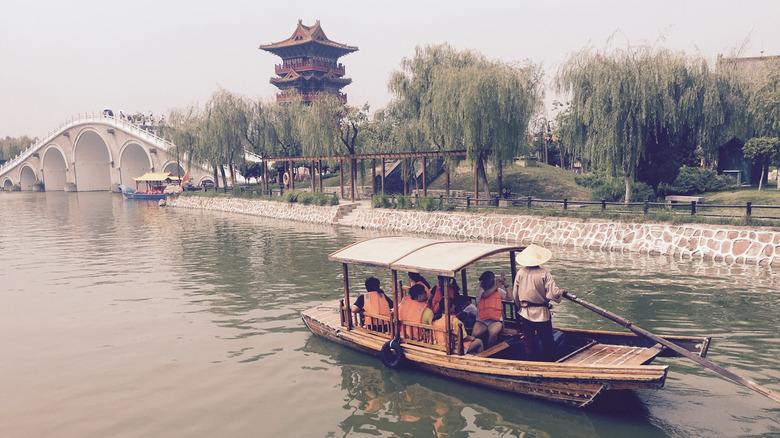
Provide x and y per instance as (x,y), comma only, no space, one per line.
(291,196)
(404,202)
(381,201)
(695,180)
(428,204)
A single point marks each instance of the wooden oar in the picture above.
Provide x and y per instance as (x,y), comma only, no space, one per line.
(682,351)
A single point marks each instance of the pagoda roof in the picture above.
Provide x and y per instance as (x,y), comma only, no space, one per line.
(293,77)
(312,36)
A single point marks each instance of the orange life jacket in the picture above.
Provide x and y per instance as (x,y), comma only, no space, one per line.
(375,303)
(410,311)
(438,298)
(441,337)
(490,307)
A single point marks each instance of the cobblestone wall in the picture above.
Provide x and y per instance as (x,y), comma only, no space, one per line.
(278,210)
(691,241)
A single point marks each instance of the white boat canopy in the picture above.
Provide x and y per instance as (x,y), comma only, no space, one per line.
(411,254)
(156,177)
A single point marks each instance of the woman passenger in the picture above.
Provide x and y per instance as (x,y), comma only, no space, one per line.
(490,319)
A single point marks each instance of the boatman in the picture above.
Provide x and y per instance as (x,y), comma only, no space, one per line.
(533,290)
(374,300)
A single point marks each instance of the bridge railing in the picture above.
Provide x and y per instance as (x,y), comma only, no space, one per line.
(81,119)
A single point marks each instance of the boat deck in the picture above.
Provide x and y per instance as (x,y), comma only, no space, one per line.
(612,355)
(593,353)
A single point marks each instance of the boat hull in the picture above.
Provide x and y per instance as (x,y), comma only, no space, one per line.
(576,385)
(145,196)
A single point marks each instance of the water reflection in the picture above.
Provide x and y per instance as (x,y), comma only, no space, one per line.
(96,287)
(385,402)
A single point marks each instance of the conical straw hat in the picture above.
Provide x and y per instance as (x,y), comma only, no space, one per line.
(533,255)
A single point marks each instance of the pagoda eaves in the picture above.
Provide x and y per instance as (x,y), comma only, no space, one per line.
(310,65)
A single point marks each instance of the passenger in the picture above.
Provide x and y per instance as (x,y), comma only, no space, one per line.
(415,278)
(490,319)
(437,298)
(470,344)
(467,312)
(414,309)
(533,290)
(374,300)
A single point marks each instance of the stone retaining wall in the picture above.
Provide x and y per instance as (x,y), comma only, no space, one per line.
(690,241)
(279,210)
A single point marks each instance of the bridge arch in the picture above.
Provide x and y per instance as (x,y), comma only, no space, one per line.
(27,176)
(7,184)
(54,165)
(174,168)
(134,161)
(92,161)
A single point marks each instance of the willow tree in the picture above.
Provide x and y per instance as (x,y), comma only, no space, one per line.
(412,86)
(485,109)
(625,102)
(224,131)
(764,103)
(763,151)
(181,129)
(331,127)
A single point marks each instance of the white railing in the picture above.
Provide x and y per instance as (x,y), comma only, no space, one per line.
(80,119)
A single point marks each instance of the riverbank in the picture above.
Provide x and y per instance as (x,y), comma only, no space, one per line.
(732,245)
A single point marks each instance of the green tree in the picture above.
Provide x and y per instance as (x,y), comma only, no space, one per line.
(451,100)
(225,130)
(626,103)
(764,151)
(764,104)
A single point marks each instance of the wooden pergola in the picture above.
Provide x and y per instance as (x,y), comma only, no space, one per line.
(317,161)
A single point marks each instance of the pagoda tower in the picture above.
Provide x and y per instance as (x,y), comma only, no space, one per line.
(309,66)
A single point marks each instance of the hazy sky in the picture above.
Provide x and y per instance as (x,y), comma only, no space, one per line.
(59,58)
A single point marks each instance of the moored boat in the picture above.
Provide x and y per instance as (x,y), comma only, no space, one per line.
(590,363)
(155,183)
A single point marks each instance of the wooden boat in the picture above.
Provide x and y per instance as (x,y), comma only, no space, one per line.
(155,183)
(594,362)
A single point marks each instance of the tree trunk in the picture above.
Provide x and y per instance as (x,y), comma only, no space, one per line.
(224,178)
(760,181)
(628,190)
(481,170)
(216,178)
(500,178)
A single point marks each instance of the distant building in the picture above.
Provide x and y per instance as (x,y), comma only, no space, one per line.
(309,65)
(731,160)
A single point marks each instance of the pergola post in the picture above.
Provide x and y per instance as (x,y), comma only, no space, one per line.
(447,173)
(425,185)
(352,176)
(373,176)
(405,177)
(292,176)
(313,188)
(319,173)
(265,175)
(383,175)
(341,177)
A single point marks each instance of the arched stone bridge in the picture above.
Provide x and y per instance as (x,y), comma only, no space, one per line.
(93,153)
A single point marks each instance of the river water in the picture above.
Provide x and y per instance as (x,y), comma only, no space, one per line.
(124,319)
